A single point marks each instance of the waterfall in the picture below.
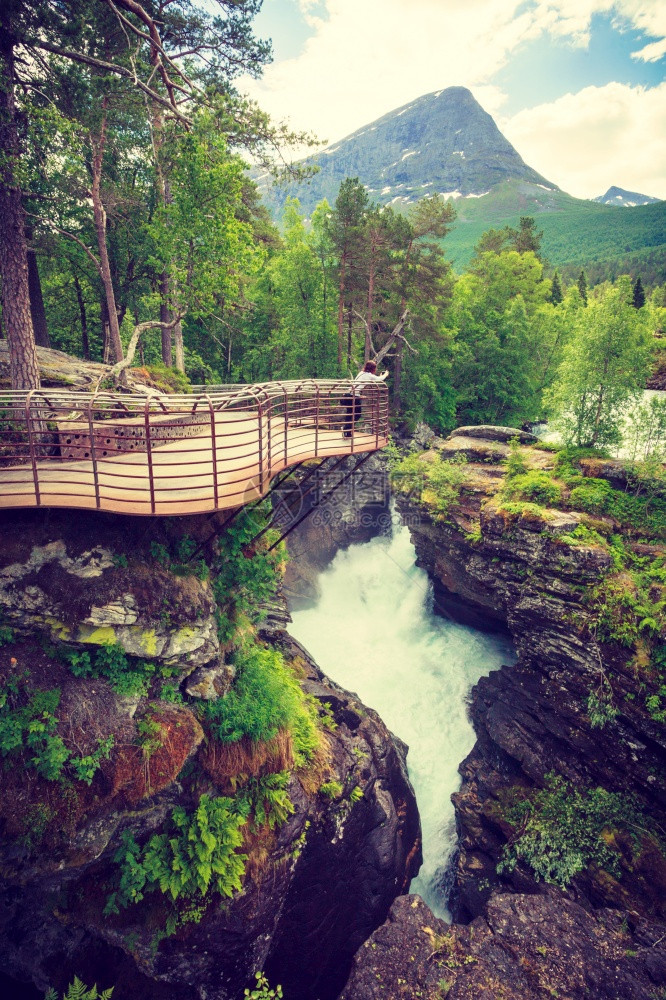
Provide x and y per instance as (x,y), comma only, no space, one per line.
(374,633)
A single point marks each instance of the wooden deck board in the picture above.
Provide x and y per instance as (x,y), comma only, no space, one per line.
(182,470)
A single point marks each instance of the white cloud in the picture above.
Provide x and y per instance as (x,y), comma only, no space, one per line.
(586,142)
(652,52)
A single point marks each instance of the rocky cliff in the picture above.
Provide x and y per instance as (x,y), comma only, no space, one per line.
(562,810)
(116,649)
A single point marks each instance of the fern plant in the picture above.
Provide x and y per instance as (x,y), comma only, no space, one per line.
(196,852)
(266,799)
(79,991)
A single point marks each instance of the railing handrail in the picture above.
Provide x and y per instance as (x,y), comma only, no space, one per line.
(181,452)
(203,393)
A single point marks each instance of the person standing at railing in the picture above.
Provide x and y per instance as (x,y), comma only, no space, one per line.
(352,404)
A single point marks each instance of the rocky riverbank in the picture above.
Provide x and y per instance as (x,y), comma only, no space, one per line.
(115,640)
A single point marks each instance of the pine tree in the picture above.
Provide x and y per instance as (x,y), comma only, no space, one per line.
(582,286)
(556,294)
(638,300)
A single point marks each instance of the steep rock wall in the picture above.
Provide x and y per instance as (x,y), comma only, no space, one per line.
(87,580)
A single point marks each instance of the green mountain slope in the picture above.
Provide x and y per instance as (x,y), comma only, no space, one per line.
(574,231)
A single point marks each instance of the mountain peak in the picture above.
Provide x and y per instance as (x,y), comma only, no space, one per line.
(624,199)
(440,143)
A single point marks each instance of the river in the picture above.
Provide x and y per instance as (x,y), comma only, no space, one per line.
(373,632)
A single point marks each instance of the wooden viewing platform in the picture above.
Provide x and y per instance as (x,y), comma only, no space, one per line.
(177,454)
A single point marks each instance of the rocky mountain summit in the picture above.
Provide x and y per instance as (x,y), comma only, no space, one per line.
(621,198)
(442,143)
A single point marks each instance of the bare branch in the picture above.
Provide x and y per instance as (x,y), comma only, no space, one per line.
(117,372)
(111,68)
(396,335)
(71,236)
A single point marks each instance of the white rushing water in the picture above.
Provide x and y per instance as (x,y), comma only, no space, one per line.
(373,632)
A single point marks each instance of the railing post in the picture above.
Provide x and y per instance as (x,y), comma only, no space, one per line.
(213,449)
(260,418)
(317,422)
(149,455)
(353,416)
(93,456)
(286,426)
(31,444)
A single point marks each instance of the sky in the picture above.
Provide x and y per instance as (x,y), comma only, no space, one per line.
(578,86)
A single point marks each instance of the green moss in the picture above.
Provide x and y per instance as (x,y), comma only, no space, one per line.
(103,636)
(148,642)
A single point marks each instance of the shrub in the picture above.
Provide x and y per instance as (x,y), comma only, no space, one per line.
(514,462)
(562,830)
(593,496)
(538,487)
(265,698)
(31,728)
(434,483)
(127,676)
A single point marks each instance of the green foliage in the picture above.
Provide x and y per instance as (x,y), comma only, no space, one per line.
(79,991)
(331,789)
(561,830)
(435,483)
(29,724)
(515,462)
(128,677)
(167,379)
(265,698)
(86,767)
(246,575)
(262,990)
(197,852)
(6,635)
(593,496)
(266,800)
(536,486)
(604,369)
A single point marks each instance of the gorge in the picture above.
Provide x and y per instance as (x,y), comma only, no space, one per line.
(319,885)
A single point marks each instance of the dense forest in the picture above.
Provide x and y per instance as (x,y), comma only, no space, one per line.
(129,222)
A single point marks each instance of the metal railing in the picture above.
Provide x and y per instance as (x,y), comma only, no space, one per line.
(177,454)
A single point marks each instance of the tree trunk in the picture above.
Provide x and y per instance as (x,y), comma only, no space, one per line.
(106,346)
(350,320)
(178,345)
(165,317)
(397,373)
(99,214)
(16,316)
(37,310)
(368,321)
(341,307)
(85,342)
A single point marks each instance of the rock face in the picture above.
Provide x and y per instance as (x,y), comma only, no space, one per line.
(532,718)
(524,948)
(314,887)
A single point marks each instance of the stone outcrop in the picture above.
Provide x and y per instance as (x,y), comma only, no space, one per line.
(523,948)
(314,887)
